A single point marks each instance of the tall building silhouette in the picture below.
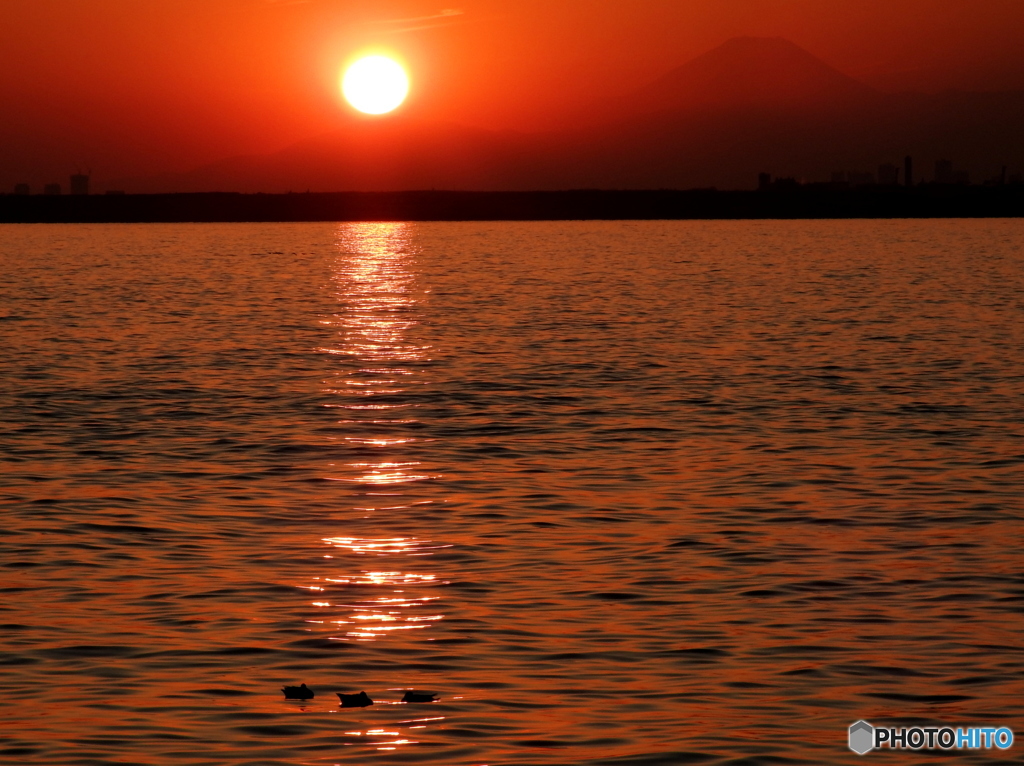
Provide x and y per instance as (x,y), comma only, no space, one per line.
(22,190)
(79,184)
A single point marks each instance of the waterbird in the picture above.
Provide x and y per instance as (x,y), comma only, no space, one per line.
(355,700)
(297,692)
(411,696)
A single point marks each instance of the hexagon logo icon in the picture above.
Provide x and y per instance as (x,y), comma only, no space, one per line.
(862,737)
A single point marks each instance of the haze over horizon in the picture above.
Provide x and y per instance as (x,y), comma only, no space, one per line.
(169,89)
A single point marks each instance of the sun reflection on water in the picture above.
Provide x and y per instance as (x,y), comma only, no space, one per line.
(374,283)
(385,546)
(379,615)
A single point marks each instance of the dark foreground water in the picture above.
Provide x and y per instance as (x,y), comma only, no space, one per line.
(620,493)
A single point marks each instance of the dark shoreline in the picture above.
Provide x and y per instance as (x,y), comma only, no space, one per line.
(782,203)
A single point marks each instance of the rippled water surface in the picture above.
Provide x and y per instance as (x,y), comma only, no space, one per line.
(619,493)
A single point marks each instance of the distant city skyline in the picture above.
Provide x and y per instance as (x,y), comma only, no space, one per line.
(888,174)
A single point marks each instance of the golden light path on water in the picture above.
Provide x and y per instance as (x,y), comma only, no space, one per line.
(378,588)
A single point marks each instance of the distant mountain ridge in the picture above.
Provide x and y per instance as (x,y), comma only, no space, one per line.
(749,72)
(750,105)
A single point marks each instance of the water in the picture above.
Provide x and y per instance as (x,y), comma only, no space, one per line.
(620,493)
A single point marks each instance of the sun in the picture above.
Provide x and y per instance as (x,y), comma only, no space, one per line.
(375,84)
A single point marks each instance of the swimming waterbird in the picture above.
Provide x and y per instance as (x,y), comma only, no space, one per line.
(355,700)
(297,692)
(411,696)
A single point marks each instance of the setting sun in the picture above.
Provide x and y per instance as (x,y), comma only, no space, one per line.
(375,85)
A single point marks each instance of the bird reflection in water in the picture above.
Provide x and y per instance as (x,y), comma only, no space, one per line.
(374,391)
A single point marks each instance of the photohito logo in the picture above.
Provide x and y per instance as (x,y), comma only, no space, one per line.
(864,737)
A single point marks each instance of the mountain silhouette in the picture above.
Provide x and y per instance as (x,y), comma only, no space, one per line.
(753,71)
(749,105)
(767,73)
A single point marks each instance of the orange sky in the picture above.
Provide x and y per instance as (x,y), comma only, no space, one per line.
(146,85)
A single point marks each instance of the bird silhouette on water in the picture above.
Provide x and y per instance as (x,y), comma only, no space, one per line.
(411,696)
(297,692)
(355,700)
